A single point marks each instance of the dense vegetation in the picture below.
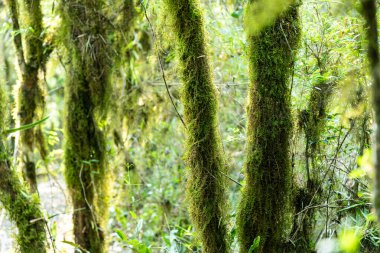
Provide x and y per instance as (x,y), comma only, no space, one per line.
(189,126)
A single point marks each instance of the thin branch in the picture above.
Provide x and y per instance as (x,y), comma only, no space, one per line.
(231,179)
(161,66)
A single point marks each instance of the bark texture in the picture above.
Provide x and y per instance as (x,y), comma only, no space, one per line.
(23,209)
(87,93)
(30,98)
(369,13)
(263,210)
(205,183)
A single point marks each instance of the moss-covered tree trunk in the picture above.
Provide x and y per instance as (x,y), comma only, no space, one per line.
(30,102)
(263,209)
(86,96)
(205,185)
(369,13)
(23,210)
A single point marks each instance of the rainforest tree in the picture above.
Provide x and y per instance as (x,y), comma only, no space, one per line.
(32,52)
(206,166)
(23,209)
(263,208)
(369,13)
(86,97)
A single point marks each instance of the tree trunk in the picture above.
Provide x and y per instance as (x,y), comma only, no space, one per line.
(205,184)
(263,209)
(30,100)
(23,210)
(87,93)
(369,13)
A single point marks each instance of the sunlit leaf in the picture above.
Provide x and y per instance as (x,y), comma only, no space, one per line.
(121,235)
(349,241)
(255,245)
(357,173)
(262,13)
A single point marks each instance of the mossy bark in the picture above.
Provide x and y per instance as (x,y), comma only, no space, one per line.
(86,102)
(205,183)
(263,209)
(315,121)
(30,102)
(23,209)
(369,13)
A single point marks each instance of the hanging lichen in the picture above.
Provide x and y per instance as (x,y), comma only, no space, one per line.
(263,209)
(23,209)
(205,183)
(87,93)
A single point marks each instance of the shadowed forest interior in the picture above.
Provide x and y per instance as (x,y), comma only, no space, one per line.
(213,126)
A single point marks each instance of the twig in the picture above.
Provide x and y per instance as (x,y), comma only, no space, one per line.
(233,180)
(161,66)
(309,206)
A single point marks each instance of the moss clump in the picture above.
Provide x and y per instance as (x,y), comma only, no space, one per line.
(86,102)
(313,121)
(22,208)
(263,208)
(206,184)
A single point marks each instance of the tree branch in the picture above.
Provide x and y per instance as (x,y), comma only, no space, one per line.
(12,8)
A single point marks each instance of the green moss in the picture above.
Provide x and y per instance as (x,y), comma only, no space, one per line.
(263,209)
(3,109)
(86,102)
(30,97)
(23,209)
(31,17)
(205,182)
(316,112)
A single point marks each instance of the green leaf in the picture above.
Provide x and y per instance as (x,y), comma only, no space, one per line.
(237,13)
(121,235)
(357,173)
(349,240)
(26,127)
(138,247)
(255,244)
(133,214)
(76,246)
